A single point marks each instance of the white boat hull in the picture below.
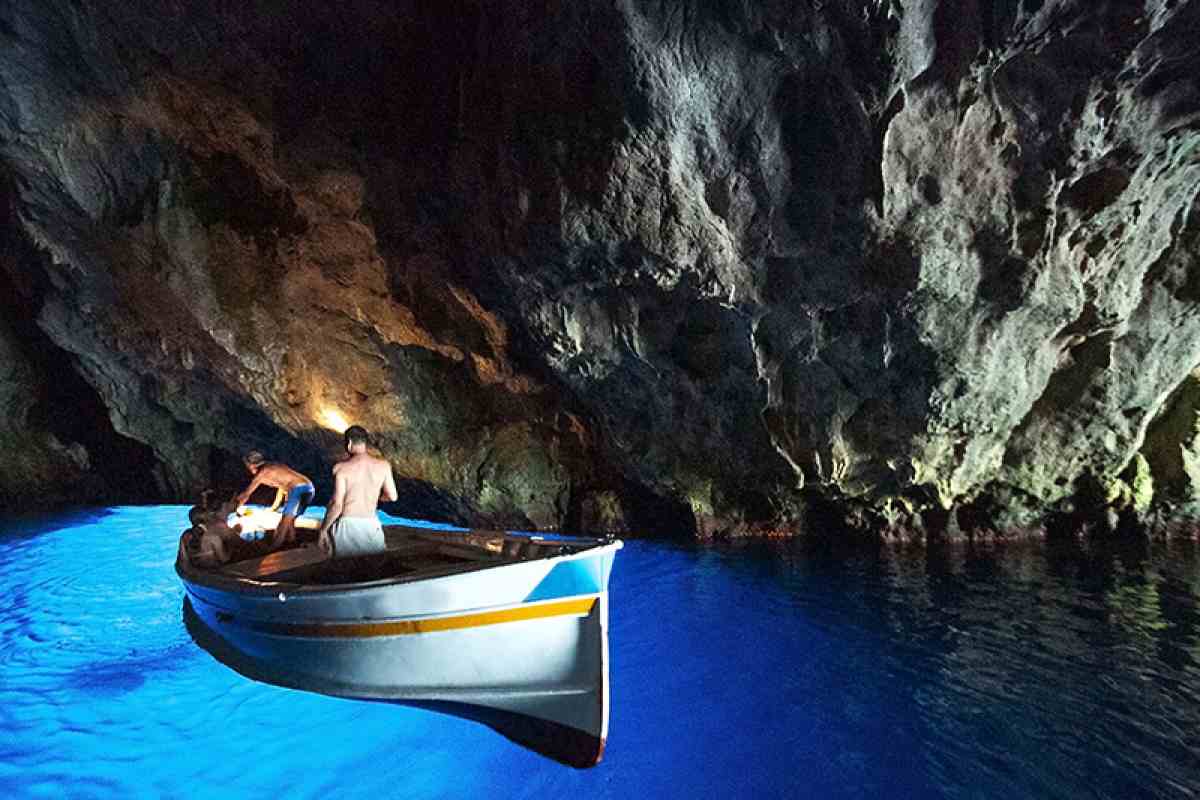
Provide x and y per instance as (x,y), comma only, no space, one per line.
(521,646)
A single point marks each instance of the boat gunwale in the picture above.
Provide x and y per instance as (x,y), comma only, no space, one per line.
(241,584)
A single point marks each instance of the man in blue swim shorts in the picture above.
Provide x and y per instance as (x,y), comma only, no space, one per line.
(293,490)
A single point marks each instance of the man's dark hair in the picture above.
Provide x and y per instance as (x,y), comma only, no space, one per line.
(357,434)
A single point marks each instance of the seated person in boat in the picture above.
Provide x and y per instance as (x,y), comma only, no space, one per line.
(213,542)
(351,525)
(293,490)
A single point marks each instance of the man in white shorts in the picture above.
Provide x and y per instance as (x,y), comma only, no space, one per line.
(351,525)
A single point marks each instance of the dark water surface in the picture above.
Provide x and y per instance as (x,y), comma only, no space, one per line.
(1023,672)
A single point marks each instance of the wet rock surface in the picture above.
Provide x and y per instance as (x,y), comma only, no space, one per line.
(920,267)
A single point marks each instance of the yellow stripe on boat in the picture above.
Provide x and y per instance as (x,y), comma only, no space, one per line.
(576,606)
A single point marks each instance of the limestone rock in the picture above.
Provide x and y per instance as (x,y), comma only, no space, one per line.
(590,261)
(1172,448)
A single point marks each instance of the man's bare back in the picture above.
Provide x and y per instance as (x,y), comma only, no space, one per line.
(365,479)
(351,524)
(279,476)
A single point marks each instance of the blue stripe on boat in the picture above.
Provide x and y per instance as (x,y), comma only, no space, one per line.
(582,576)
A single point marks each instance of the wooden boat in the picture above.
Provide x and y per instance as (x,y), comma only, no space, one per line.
(508,630)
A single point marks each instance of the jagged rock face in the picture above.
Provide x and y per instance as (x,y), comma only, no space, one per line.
(58,442)
(578,260)
(37,460)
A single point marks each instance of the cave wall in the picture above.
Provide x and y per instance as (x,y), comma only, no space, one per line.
(59,445)
(207,184)
(39,464)
(919,252)
(608,262)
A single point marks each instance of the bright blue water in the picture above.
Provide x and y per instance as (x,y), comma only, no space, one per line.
(1031,671)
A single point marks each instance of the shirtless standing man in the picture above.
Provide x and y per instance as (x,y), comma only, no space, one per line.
(296,488)
(351,526)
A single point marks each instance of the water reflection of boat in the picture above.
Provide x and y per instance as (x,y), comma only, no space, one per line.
(507,630)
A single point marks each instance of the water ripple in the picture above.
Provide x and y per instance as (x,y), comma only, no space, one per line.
(750,671)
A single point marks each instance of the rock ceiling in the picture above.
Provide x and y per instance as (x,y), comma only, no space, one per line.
(669,266)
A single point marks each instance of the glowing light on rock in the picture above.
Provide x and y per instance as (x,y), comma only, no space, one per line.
(329,417)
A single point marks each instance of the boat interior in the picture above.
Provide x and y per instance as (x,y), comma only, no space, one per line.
(412,553)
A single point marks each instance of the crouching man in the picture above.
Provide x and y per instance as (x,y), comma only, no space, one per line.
(351,526)
(288,483)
